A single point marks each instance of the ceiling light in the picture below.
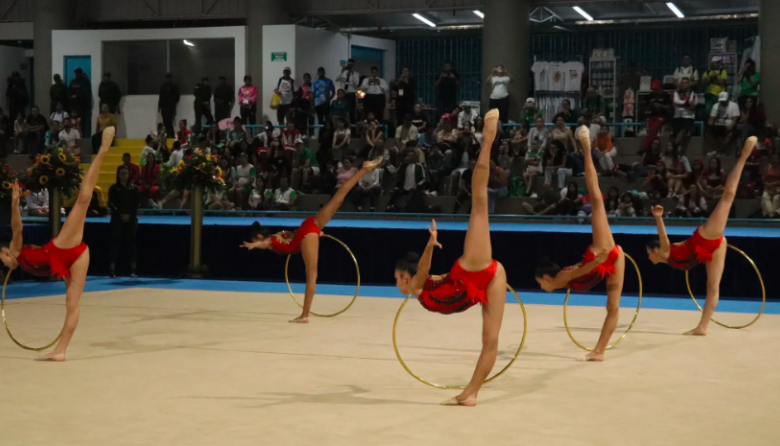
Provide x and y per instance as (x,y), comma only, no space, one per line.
(188,43)
(479,13)
(424,20)
(582,12)
(675,10)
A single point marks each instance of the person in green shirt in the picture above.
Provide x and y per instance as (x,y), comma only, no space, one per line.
(530,113)
(714,82)
(305,165)
(593,103)
(749,82)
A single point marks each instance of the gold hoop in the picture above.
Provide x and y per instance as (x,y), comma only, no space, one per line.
(443,386)
(763,292)
(357,268)
(630,326)
(8,330)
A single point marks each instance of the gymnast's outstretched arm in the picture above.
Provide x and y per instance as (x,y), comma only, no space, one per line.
(565,276)
(658,213)
(424,264)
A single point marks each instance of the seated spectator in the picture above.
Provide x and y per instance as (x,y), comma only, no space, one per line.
(70,138)
(605,150)
(263,139)
(691,205)
(672,157)
(479,124)
(133,170)
(749,82)
(289,135)
(563,134)
(235,136)
(325,149)
(19,131)
(498,185)
(464,187)
(656,183)
(105,119)
(419,120)
(530,113)
(539,133)
(468,141)
(35,129)
(722,123)
(245,179)
(184,135)
(534,167)
(124,201)
(176,156)
(410,182)
(406,132)
(258,192)
(345,172)
(545,205)
(339,107)
(752,120)
(519,141)
(658,111)
(612,201)
(371,137)
(555,163)
(150,146)
(37,203)
(217,201)
(676,180)
(467,115)
(419,154)
(161,137)
(571,200)
(341,139)
(365,124)
(370,186)
(428,138)
(52,138)
(713,180)
(283,198)
(305,166)
(567,113)
(505,157)
(149,180)
(436,168)
(329,176)
(593,103)
(697,170)
(626,207)
(770,200)
(59,114)
(750,183)
(279,166)
(76,118)
(447,133)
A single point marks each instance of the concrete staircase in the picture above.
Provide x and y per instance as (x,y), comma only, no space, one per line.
(113,159)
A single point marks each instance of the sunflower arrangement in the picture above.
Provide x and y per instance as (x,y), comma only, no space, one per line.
(196,170)
(7,179)
(54,169)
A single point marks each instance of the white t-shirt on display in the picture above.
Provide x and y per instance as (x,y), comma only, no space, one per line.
(500,87)
(573,72)
(541,75)
(725,115)
(557,77)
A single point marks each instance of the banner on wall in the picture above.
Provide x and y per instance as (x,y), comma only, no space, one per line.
(279,57)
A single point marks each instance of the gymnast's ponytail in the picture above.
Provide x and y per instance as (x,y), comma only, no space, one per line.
(259,230)
(408,264)
(545,267)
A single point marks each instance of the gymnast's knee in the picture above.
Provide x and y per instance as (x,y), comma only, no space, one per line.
(490,341)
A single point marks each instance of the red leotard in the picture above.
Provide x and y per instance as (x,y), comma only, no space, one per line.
(697,249)
(599,273)
(458,291)
(49,260)
(292,245)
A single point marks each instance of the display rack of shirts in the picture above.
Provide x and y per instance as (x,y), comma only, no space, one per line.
(549,102)
(558,76)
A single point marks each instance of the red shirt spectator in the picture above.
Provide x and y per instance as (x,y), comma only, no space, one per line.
(290,135)
(133,169)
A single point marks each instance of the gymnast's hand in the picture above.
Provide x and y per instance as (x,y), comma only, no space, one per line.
(251,245)
(434,234)
(15,195)
(658,211)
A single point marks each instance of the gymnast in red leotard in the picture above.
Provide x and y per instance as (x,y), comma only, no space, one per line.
(306,239)
(65,256)
(474,279)
(603,259)
(707,244)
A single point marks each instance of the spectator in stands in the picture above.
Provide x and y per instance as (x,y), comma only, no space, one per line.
(340,107)
(325,150)
(279,165)
(17,94)
(407,131)
(105,119)
(770,200)
(658,110)
(5,132)
(177,154)
(235,136)
(677,179)
(370,186)
(202,104)
(58,94)
(498,185)
(245,178)
(150,146)
(656,183)
(749,82)
(499,81)
(345,172)
(405,95)
(372,137)
(305,166)
(410,183)
(70,138)
(124,201)
(626,207)
(349,81)
(19,131)
(464,187)
(167,102)
(562,133)
(519,142)
(285,88)
(684,113)
(723,122)
(571,200)
(468,141)
(224,98)
(605,151)
(649,160)
(377,91)
(686,71)
(216,140)
(539,133)
(447,85)
(284,197)
(713,180)
(132,169)
(714,82)
(184,135)
(52,138)
(612,201)
(568,113)
(110,94)
(303,106)
(672,157)
(530,113)
(437,170)
(289,135)
(593,103)
(534,167)
(37,203)
(691,205)
(217,201)
(447,133)
(59,114)
(556,163)
(161,137)
(467,115)
(379,151)
(341,139)
(420,119)
(752,120)
(35,129)
(324,91)
(149,181)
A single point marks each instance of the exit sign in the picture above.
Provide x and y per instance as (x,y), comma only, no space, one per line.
(279,57)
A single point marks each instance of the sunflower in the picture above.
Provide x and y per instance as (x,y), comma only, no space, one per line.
(45,159)
(7,185)
(77,159)
(221,180)
(60,172)
(181,163)
(219,171)
(208,157)
(62,157)
(43,179)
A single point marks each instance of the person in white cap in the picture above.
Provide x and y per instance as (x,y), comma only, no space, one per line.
(722,123)
(714,82)
(530,113)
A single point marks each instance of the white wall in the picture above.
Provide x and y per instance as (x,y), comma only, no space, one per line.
(309,49)
(13,59)
(139,112)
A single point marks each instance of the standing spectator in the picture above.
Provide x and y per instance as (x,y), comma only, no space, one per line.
(70,137)
(80,91)
(150,179)
(368,187)
(406,132)
(341,139)
(714,82)
(605,150)
(411,179)
(133,170)
(184,135)
(376,90)
(339,108)
(684,113)
(109,93)
(59,114)
(58,94)
(224,97)
(105,119)
(349,81)
(301,110)
(540,134)
(285,88)
(467,115)
(17,94)
(723,122)
(405,94)
(686,70)
(324,91)
(203,104)
(247,102)
(499,81)
(447,85)
(167,102)
(35,129)
(593,103)
(749,82)
(770,200)
(124,201)
(658,110)
(530,113)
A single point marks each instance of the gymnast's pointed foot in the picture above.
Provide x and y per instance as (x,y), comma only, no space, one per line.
(373,164)
(698,331)
(460,400)
(594,357)
(52,357)
(300,320)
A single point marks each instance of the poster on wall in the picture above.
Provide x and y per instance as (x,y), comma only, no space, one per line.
(279,57)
